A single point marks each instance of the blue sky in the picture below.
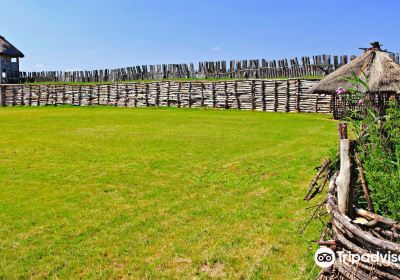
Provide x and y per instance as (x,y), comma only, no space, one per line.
(93,34)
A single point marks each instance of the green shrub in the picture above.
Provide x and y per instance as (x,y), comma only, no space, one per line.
(378,144)
(380,153)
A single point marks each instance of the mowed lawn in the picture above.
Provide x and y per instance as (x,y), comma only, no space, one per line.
(103,193)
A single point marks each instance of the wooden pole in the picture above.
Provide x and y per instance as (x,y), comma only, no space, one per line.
(364,182)
(1,95)
(344,178)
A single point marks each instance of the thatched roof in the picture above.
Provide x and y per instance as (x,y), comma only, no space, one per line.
(7,49)
(382,71)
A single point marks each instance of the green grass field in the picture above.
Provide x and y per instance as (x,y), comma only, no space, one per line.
(104,192)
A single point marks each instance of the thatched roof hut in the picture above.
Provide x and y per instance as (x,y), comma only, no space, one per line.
(9,62)
(8,50)
(382,71)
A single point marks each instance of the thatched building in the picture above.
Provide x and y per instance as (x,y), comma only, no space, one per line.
(9,62)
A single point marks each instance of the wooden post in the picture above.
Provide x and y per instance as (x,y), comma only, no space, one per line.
(226,95)
(275,96)
(237,95)
(117,96)
(158,93)
(80,96)
(108,95)
(213,94)
(190,94)
(168,93)
(30,95)
(363,182)
(47,95)
(178,95)
(14,102)
(146,96)
(1,95)
(253,93)
(55,88)
(39,95)
(98,95)
(298,92)
(343,181)
(264,105)
(22,95)
(202,94)
(135,95)
(126,96)
(287,105)
(90,95)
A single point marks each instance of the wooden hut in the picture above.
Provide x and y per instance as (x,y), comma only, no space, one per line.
(9,62)
(383,75)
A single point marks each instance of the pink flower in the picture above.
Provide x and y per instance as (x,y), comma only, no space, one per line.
(360,102)
(341,91)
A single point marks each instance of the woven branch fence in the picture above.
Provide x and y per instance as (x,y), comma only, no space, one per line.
(318,65)
(263,95)
(357,231)
(342,105)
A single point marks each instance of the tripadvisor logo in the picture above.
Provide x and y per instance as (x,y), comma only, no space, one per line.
(324,257)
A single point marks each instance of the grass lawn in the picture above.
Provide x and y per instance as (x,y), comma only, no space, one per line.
(106,192)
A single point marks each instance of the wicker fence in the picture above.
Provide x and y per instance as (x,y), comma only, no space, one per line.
(379,236)
(263,95)
(342,105)
(362,241)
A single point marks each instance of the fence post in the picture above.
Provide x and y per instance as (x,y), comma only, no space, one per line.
(287,102)
(253,93)
(1,96)
(298,97)
(275,96)
(343,181)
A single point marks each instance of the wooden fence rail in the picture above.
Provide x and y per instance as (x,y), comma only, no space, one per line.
(263,95)
(318,65)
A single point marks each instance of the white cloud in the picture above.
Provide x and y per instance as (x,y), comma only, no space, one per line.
(215,49)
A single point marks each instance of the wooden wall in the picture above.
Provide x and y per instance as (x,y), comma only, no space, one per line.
(263,95)
(317,65)
(9,70)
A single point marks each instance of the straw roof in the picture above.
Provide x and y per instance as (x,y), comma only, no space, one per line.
(7,49)
(383,73)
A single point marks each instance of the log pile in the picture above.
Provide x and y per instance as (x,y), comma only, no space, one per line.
(261,95)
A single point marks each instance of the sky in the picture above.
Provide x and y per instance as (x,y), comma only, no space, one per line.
(98,34)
